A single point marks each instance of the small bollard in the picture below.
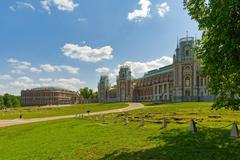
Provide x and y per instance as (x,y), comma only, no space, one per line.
(192,127)
(103,118)
(234,131)
(126,120)
(96,118)
(142,122)
(116,120)
(164,123)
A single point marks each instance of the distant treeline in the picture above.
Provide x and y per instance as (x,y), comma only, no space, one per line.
(8,101)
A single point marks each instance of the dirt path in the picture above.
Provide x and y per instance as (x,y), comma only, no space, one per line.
(5,123)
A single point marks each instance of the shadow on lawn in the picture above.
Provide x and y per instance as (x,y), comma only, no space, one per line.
(207,144)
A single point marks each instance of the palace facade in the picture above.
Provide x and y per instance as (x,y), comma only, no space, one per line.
(48,96)
(178,82)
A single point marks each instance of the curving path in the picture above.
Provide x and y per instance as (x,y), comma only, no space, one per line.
(5,123)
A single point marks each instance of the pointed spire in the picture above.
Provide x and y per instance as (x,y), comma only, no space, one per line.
(177,42)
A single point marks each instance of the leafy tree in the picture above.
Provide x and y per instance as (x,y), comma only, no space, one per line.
(1,102)
(219,48)
(16,102)
(86,92)
(10,101)
(94,95)
(7,100)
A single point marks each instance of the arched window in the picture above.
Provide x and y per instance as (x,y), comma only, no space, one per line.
(187,93)
(186,51)
(187,81)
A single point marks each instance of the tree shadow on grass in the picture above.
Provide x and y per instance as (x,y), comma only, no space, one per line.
(207,144)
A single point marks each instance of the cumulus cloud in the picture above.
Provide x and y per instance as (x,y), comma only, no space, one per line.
(22,83)
(63,5)
(25,79)
(86,53)
(20,67)
(45,79)
(103,70)
(67,83)
(61,68)
(139,68)
(35,70)
(139,14)
(48,67)
(25,82)
(163,9)
(5,77)
(19,5)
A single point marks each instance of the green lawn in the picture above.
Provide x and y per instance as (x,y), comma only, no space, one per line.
(37,112)
(90,139)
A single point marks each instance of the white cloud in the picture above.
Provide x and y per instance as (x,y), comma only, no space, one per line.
(86,53)
(69,69)
(63,5)
(48,68)
(5,77)
(20,67)
(103,70)
(54,68)
(67,83)
(21,83)
(19,5)
(139,68)
(35,70)
(25,79)
(45,79)
(139,14)
(163,9)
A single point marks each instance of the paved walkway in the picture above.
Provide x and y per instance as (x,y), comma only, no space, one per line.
(5,123)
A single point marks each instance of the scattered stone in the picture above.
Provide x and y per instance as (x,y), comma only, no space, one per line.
(234,131)
(126,120)
(193,128)
(164,123)
(142,122)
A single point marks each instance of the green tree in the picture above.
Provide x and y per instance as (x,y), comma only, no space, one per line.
(15,101)
(1,102)
(86,92)
(94,95)
(219,47)
(7,100)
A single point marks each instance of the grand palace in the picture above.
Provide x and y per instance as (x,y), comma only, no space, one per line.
(178,82)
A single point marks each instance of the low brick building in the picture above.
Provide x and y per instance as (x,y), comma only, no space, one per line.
(48,96)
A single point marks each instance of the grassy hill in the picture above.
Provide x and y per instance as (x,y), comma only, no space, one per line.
(38,112)
(101,139)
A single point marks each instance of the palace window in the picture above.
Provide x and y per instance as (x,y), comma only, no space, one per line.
(165,88)
(187,93)
(187,81)
(187,52)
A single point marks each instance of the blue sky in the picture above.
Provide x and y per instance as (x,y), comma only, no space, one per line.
(70,43)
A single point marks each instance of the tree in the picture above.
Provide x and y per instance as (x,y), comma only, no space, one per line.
(94,95)
(219,48)
(86,92)
(10,101)
(16,102)
(1,102)
(7,100)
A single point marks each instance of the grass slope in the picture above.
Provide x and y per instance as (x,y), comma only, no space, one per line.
(37,112)
(88,139)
